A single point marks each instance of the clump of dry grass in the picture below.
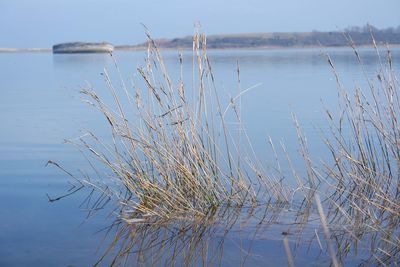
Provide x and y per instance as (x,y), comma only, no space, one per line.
(361,184)
(365,178)
(175,156)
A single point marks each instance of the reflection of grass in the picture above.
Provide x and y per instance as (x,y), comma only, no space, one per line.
(184,243)
(205,240)
(179,161)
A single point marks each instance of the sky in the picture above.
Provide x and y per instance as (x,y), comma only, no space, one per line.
(42,23)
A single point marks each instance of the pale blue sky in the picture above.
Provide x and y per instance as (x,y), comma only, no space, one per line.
(42,23)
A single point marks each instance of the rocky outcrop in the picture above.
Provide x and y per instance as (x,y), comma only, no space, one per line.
(80,47)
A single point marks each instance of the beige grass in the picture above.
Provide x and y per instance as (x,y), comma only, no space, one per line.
(175,158)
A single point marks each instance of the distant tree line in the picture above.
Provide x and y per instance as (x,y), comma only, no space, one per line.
(368,28)
(359,35)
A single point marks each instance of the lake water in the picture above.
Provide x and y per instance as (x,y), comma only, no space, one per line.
(40,107)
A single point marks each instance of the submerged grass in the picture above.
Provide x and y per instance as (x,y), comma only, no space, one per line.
(173,157)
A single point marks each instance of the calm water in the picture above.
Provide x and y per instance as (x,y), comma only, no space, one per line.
(40,107)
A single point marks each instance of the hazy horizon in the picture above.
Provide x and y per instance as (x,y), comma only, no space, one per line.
(44,23)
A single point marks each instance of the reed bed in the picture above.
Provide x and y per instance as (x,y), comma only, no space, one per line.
(360,184)
(365,178)
(173,157)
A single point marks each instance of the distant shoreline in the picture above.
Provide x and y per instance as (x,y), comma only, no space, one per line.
(25,50)
(256,48)
(137,49)
(361,37)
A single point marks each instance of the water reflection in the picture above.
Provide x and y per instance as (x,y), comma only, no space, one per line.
(252,236)
(221,238)
(72,61)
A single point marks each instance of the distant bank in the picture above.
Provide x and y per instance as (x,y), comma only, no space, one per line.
(360,36)
(21,50)
(67,48)
(287,39)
